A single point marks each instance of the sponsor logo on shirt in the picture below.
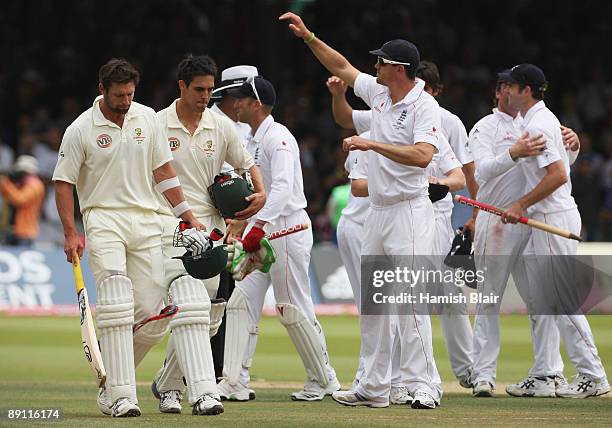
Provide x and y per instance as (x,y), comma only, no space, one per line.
(256,156)
(104,140)
(174,143)
(432,132)
(61,154)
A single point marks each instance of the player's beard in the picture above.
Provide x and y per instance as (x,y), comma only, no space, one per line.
(118,110)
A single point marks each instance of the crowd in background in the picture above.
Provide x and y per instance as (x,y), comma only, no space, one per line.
(52,54)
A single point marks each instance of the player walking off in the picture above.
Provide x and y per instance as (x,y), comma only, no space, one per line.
(111,152)
(201,141)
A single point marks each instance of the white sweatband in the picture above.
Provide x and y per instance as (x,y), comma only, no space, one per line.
(167,184)
(180,209)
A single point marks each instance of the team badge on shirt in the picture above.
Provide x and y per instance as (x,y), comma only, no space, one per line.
(209,149)
(104,140)
(138,137)
(174,143)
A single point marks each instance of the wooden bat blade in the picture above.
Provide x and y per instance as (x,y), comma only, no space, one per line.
(88,331)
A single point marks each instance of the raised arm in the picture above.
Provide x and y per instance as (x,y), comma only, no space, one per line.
(342,111)
(331,59)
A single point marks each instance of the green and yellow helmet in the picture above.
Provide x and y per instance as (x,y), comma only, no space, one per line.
(228,193)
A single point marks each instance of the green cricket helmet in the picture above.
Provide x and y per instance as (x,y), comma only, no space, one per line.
(207,265)
(228,193)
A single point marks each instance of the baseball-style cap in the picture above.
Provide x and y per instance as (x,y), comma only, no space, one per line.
(504,76)
(399,50)
(232,77)
(255,87)
(529,75)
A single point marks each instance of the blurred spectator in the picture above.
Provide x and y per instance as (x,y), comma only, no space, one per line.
(23,194)
(587,186)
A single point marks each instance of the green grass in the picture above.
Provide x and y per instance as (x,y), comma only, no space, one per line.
(42,366)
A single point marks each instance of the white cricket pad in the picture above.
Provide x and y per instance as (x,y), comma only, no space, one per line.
(217,309)
(115,318)
(237,333)
(190,330)
(148,336)
(306,341)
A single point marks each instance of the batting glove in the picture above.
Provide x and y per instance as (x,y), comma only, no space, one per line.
(196,241)
(251,242)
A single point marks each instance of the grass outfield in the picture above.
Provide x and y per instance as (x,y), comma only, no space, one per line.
(42,366)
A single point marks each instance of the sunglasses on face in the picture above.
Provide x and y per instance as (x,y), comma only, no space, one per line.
(383,61)
(251,81)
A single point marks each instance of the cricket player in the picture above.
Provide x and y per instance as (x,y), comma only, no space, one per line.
(454,320)
(350,226)
(404,138)
(112,152)
(276,153)
(455,133)
(498,146)
(548,199)
(224,104)
(443,169)
(201,141)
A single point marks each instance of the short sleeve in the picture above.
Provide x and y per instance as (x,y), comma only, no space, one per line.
(362,120)
(366,88)
(70,157)
(161,148)
(359,166)
(427,123)
(236,155)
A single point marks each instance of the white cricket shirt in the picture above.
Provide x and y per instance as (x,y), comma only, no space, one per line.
(198,158)
(415,118)
(501,180)
(357,208)
(276,153)
(441,164)
(456,135)
(242,129)
(112,167)
(540,120)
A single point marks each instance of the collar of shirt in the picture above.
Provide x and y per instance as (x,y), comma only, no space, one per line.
(100,120)
(206,121)
(532,111)
(504,116)
(413,94)
(263,128)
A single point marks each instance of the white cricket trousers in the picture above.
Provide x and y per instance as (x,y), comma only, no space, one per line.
(574,329)
(498,250)
(128,241)
(454,318)
(289,278)
(350,237)
(405,228)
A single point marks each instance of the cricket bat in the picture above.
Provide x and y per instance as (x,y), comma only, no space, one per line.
(91,347)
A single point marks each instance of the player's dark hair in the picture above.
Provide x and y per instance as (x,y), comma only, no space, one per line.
(428,71)
(192,66)
(535,93)
(117,70)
